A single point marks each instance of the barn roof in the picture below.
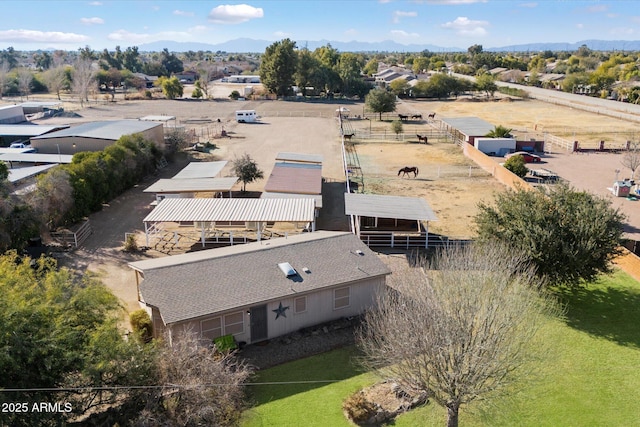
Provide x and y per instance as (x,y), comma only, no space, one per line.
(299,157)
(111,130)
(300,178)
(201,170)
(279,210)
(211,281)
(380,206)
(470,126)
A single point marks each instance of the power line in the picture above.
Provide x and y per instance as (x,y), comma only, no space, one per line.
(138,387)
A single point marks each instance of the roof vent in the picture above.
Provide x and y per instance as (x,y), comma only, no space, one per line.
(359,252)
(286,268)
(306,270)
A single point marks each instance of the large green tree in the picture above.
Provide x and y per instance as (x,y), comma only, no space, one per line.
(59,331)
(246,169)
(570,236)
(380,101)
(278,67)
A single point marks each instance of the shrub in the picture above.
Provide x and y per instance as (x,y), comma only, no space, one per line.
(130,243)
(141,324)
(516,164)
(358,408)
(234,95)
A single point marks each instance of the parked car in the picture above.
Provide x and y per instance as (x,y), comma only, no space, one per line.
(528,157)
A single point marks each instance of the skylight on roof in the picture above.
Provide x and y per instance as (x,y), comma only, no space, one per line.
(286,268)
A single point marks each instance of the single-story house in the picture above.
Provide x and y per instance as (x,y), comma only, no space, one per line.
(260,290)
(96,136)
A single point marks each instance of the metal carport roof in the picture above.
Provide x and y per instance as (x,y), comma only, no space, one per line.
(201,170)
(381,206)
(212,210)
(470,126)
(191,185)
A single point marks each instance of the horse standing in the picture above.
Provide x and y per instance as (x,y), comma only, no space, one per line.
(422,138)
(407,170)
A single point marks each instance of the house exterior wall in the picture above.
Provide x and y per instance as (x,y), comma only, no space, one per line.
(65,143)
(319,308)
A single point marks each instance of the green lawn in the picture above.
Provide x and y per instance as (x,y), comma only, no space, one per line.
(593,380)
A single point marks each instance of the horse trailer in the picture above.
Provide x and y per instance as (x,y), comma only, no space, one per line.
(246,116)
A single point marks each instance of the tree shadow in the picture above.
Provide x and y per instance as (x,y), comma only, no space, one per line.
(604,310)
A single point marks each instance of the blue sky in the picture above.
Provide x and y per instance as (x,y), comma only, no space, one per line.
(69,25)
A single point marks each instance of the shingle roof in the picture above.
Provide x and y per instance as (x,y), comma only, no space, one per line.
(205,282)
(112,130)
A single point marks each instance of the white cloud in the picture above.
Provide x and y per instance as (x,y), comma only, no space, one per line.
(351,32)
(404,34)
(399,14)
(95,3)
(183,13)
(123,35)
(622,31)
(384,1)
(455,1)
(92,21)
(234,13)
(580,26)
(464,26)
(33,36)
(528,5)
(598,8)
(282,34)
(198,29)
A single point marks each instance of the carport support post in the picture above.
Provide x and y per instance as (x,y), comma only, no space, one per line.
(146,232)
(202,236)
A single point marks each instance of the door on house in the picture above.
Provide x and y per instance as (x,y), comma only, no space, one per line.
(258,323)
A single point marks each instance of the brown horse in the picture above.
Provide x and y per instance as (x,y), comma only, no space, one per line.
(422,138)
(432,115)
(348,136)
(407,170)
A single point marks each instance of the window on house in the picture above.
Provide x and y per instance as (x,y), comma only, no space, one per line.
(234,323)
(300,305)
(341,298)
(211,328)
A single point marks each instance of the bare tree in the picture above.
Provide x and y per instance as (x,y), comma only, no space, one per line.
(25,78)
(461,329)
(4,70)
(207,72)
(83,79)
(631,158)
(201,386)
(56,79)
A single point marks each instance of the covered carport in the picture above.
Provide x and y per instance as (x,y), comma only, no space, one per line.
(389,221)
(183,188)
(226,220)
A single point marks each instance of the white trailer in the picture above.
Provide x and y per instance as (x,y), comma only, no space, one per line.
(246,116)
(495,146)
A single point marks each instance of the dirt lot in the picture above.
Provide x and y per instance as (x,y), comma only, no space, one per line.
(448,181)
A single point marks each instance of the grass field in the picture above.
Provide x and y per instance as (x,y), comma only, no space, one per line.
(592,379)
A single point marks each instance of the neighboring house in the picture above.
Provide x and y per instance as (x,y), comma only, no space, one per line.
(260,290)
(96,136)
(187,76)
(148,80)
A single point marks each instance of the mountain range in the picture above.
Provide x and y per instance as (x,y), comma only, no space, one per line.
(246,45)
